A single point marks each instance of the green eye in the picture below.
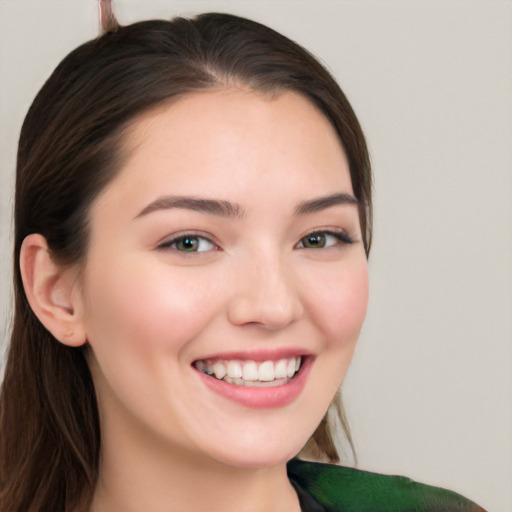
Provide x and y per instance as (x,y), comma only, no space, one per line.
(314,241)
(324,240)
(187,244)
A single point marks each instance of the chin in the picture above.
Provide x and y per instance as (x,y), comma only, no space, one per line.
(259,459)
(260,452)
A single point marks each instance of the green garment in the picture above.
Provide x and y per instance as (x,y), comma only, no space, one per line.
(341,489)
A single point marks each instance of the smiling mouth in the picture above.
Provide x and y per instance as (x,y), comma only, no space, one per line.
(251,373)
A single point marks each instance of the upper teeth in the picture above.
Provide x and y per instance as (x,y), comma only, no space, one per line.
(246,372)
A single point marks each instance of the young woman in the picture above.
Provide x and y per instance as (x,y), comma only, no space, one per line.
(192,222)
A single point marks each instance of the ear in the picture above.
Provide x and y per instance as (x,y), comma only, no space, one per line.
(52,292)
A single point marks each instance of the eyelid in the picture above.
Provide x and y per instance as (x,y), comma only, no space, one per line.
(340,234)
(167,242)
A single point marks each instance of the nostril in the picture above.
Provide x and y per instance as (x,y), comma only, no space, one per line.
(264,314)
(264,294)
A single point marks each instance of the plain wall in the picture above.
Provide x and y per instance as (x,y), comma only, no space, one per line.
(429,394)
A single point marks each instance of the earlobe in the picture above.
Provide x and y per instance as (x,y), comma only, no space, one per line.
(51,291)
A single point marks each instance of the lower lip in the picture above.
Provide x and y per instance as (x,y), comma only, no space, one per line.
(261,397)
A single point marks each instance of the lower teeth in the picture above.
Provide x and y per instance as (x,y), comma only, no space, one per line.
(256,383)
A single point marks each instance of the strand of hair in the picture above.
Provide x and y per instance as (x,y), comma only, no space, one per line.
(107,18)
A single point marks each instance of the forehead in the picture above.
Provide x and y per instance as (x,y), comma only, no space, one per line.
(212,142)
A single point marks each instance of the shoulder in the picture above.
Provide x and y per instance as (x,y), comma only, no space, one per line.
(345,489)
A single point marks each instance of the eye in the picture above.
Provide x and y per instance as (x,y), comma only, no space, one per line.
(324,239)
(189,243)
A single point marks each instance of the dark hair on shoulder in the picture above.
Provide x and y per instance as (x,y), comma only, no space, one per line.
(70,148)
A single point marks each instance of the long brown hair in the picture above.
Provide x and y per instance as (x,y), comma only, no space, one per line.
(70,148)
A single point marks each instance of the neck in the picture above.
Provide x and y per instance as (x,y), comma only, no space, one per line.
(139,473)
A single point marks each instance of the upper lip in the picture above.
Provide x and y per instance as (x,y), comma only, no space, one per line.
(268,354)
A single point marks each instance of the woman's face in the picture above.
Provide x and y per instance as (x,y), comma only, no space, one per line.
(225,254)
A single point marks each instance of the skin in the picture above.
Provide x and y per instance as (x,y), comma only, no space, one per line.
(148,310)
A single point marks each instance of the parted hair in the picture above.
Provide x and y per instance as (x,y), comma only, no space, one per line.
(70,148)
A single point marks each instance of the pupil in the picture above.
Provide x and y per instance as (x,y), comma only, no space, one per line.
(189,244)
(315,241)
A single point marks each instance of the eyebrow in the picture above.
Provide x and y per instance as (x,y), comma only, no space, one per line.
(209,206)
(321,203)
(234,210)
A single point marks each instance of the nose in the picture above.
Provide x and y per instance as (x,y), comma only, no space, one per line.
(265,293)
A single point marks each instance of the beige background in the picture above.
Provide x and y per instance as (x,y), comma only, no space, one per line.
(430,391)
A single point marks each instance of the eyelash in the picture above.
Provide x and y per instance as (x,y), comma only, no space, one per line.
(168,244)
(341,236)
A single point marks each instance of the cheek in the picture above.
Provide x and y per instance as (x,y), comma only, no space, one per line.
(145,306)
(340,304)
